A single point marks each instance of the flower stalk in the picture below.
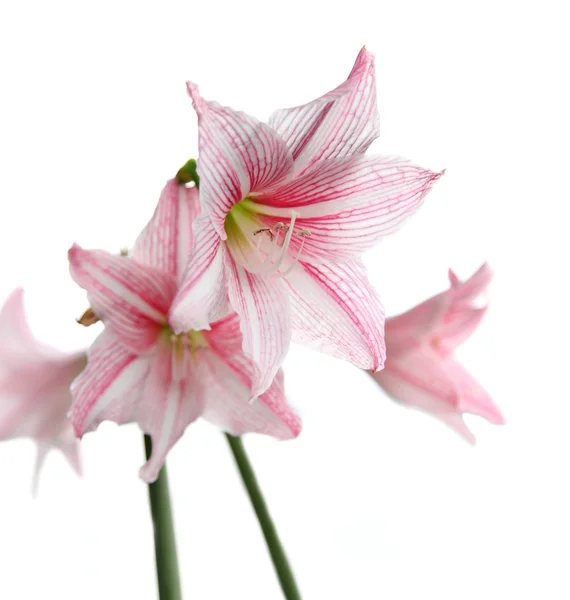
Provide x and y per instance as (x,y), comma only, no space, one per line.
(167,574)
(276,550)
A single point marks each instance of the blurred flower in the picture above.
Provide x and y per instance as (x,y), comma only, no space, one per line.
(139,370)
(34,387)
(421,370)
(289,208)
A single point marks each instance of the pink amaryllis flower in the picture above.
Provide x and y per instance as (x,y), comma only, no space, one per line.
(289,207)
(34,387)
(139,370)
(421,370)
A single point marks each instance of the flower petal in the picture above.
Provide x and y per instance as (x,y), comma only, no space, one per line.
(238,154)
(473,398)
(466,294)
(227,405)
(343,122)
(173,398)
(265,321)
(336,310)
(167,240)
(202,296)
(109,387)
(133,299)
(409,330)
(422,382)
(347,204)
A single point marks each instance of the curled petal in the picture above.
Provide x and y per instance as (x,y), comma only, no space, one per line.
(465,294)
(348,204)
(131,298)
(167,240)
(173,398)
(202,297)
(109,387)
(336,310)
(344,121)
(238,154)
(265,321)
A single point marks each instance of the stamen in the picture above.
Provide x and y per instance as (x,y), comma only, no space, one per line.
(296,259)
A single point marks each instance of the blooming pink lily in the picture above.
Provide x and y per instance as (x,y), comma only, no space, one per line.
(289,207)
(139,370)
(421,369)
(34,387)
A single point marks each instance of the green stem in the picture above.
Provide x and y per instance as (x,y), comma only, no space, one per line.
(164,539)
(280,562)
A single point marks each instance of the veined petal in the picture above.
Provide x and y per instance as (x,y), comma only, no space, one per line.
(109,387)
(347,204)
(133,299)
(167,240)
(344,121)
(202,296)
(228,392)
(230,384)
(336,310)
(173,398)
(238,154)
(265,320)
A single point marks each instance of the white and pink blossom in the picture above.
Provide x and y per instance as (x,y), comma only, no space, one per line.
(34,387)
(421,369)
(288,209)
(139,370)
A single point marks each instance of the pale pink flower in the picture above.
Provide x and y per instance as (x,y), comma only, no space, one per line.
(289,207)
(139,371)
(421,369)
(34,387)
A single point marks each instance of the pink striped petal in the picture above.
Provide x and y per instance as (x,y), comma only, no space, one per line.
(167,240)
(336,310)
(227,406)
(348,204)
(173,398)
(109,387)
(133,299)
(229,389)
(343,122)
(238,154)
(265,321)
(202,297)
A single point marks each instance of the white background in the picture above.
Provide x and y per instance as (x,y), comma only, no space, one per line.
(373,501)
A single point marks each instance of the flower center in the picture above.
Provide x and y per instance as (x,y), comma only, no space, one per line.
(259,243)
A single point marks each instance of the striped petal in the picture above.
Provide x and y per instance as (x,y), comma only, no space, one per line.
(131,298)
(341,123)
(348,204)
(110,387)
(238,154)
(167,240)
(265,321)
(173,398)
(229,389)
(202,295)
(336,310)
(227,406)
